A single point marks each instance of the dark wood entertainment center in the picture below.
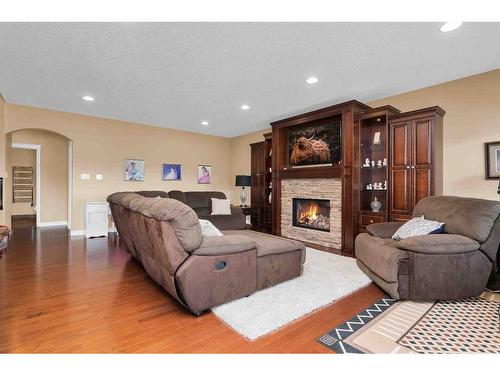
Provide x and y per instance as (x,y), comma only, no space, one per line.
(411,143)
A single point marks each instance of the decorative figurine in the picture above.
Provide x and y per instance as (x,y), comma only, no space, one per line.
(375,205)
(379,163)
(384,162)
(385,185)
(376,138)
(367,163)
(369,187)
(373,163)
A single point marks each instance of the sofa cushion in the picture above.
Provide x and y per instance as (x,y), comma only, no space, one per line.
(221,206)
(380,255)
(202,199)
(383,230)
(439,244)
(208,229)
(470,217)
(225,245)
(268,244)
(418,226)
(178,195)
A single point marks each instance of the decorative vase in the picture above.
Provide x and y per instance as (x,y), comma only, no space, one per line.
(375,205)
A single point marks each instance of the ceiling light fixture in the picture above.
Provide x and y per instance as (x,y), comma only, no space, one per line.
(245,107)
(312,80)
(204,123)
(88,98)
(450,26)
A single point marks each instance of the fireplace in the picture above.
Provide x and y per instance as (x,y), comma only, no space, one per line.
(311,213)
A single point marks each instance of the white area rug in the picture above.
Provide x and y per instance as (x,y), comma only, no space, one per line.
(326,278)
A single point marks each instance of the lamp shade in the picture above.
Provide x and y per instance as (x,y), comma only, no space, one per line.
(243,181)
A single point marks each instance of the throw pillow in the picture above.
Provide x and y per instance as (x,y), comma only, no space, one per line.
(418,226)
(221,207)
(208,229)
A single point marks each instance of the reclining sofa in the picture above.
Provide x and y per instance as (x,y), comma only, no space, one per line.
(165,236)
(452,265)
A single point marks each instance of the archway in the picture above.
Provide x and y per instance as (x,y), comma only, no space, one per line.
(51,184)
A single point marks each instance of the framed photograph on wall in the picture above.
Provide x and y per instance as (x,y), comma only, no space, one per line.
(171,172)
(134,170)
(492,153)
(204,174)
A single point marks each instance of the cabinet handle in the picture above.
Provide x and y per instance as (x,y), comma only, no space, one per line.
(412,167)
(407,167)
(371,221)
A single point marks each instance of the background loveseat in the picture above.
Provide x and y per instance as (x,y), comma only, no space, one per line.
(201,203)
(452,265)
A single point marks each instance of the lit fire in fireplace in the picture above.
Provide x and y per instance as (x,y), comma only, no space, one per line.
(309,215)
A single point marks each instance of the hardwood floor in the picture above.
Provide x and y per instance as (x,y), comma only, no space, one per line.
(70,295)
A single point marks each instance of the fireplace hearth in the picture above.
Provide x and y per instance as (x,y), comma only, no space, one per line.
(311,213)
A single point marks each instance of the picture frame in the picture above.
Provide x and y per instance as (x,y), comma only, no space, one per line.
(134,170)
(171,172)
(204,174)
(492,157)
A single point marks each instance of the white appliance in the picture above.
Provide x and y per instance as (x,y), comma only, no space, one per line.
(96,214)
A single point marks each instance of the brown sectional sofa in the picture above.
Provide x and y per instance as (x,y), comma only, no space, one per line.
(452,265)
(165,236)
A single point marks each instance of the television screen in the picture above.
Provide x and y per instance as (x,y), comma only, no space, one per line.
(315,145)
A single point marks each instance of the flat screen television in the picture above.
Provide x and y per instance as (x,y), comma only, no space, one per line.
(315,145)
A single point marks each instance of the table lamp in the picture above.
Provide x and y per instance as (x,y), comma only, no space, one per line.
(243,181)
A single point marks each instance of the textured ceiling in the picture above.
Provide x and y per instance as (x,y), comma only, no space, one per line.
(175,75)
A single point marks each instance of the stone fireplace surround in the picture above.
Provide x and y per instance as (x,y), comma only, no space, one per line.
(313,188)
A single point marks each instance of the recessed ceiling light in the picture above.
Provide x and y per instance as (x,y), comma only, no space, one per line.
(88,98)
(245,107)
(312,80)
(450,26)
(204,123)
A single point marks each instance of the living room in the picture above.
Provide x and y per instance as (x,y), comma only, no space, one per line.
(206,187)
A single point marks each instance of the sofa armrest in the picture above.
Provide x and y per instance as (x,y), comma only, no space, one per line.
(383,230)
(222,245)
(438,244)
(235,221)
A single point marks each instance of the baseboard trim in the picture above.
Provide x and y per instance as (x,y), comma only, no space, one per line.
(81,232)
(53,223)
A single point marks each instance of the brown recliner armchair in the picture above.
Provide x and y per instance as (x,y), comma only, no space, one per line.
(452,265)
(165,236)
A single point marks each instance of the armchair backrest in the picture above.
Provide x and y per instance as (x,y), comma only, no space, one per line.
(470,217)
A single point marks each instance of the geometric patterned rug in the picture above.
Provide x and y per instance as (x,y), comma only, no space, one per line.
(470,325)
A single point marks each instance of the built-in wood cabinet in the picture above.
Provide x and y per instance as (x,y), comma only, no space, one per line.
(415,163)
(261,189)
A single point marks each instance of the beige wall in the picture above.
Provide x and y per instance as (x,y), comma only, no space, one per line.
(54,172)
(100,146)
(240,159)
(24,158)
(472,118)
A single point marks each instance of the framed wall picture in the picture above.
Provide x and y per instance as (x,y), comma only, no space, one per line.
(134,170)
(171,172)
(204,174)
(492,153)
